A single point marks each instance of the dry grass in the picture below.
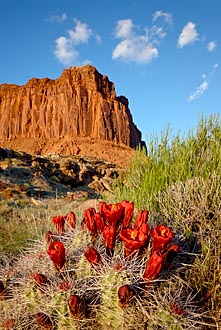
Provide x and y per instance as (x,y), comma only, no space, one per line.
(195,209)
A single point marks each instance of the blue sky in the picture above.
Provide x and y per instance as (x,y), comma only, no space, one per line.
(163,55)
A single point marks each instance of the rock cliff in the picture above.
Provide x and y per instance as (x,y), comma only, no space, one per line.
(81,103)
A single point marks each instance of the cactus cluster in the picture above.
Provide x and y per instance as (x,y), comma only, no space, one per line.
(110,270)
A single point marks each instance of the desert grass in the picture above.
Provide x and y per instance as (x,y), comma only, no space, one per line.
(25,219)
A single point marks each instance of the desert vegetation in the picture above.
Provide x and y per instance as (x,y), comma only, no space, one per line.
(145,257)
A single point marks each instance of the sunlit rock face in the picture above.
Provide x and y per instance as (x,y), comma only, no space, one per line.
(81,103)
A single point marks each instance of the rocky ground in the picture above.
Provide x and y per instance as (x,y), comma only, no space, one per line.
(55,175)
(117,153)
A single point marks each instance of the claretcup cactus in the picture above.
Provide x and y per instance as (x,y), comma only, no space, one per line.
(56,252)
(101,276)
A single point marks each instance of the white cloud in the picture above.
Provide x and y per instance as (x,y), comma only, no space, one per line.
(211,46)
(200,90)
(136,47)
(80,34)
(64,51)
(135,50)
(57,18)
(166,16)
(65,47)
(156,32)
(124,29)
(188,35)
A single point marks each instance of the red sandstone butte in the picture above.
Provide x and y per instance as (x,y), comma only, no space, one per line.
(80,104)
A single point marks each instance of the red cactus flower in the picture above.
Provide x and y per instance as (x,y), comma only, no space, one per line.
(176,309)
(128,213)
(145,228)
(43,320)
(112,213)
(59,222)
(8,324)
(3,291)
(109,234)
(49,236)
(75,305)
(40,280)
(124,294)
(56,252)
(154,266)
(65,286)
(170,253)
(161,237)
(133,239)
(71,218)
(89,219)
(92,255)
(141,218)
(99,220)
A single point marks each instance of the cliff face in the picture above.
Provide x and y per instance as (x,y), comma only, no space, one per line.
(80,103)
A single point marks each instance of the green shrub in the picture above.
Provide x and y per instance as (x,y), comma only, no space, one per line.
(171,160)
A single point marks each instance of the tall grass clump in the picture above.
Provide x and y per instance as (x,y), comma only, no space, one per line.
(171,160)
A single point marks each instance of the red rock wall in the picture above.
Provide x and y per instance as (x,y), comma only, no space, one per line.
(80,103)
